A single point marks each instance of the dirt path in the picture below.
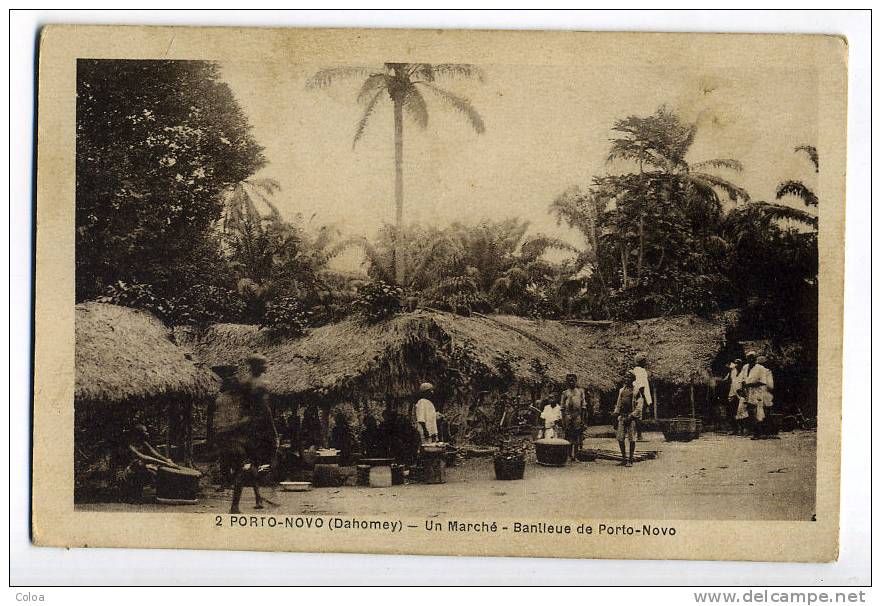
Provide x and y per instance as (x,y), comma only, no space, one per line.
(717,477)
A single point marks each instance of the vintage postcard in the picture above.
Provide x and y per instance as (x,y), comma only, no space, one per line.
(555,294)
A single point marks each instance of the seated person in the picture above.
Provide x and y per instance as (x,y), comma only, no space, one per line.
(143,461)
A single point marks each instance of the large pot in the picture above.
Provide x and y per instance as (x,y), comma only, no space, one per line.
(553,452)
(328,456)
(177,486)
(433,450)
(509,468)
(681,429)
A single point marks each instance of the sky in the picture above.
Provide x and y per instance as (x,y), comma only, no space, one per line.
(547,129)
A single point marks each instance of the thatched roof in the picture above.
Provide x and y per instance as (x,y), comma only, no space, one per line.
(394,356)
(124,354)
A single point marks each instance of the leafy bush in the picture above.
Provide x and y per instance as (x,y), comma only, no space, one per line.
(458,294)
(378,301)
(204,304)
(287,316)
(138,296)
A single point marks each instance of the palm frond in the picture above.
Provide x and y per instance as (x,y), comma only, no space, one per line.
(458,70)
(415,106)
(433,253)
(728,163)
(264,195)
(365,117)
(461,105)
(375,257)
(811,151)
(799,190)
(537,246)
(783,212)
(371,86)
(629,149)
(734,192)
(326,77)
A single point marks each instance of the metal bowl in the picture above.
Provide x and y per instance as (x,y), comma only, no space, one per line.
(295,486)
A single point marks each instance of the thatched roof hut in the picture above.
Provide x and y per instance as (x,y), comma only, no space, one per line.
(351,359)
(125,355)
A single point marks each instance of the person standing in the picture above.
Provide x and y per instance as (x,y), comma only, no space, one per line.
(736,402)
(574,408)
(756,387)
(426,414)
(628,407)
(310,427)
(767,397)
(254,438)
(641,387)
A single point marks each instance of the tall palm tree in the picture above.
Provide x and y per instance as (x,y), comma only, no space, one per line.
(403,83)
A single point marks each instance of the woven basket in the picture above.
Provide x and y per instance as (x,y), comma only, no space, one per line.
(681,429)
(510,468)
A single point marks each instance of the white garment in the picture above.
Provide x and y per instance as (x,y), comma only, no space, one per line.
(425,413)
(642,380)
(551,414)
(759,394)
(736,377)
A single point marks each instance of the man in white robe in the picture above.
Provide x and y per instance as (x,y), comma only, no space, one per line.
(736,402)
(758,384)
(426,414)
(642,388)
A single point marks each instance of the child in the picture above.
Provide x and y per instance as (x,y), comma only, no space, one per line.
(627,411)
(552,416)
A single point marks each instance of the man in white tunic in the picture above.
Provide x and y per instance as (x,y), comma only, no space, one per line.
(426,415)
(737,403)
(642,388)
(758,383)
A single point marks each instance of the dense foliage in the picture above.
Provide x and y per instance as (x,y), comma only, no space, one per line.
(378,301)
(171,218)
(157,144)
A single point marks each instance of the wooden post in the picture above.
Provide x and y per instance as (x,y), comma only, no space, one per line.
(210,413)
(324,418)
(691,397)
(189,434)
(707,409)
(169,421)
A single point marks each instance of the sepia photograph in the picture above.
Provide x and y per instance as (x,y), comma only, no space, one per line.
(479,293)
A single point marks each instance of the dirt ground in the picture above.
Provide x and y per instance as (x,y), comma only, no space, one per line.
(717,477)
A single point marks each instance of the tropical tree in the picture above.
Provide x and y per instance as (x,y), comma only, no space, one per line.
(799,190)
(659,144)
(157,144)
(403,83)
(276,261)
(490,265)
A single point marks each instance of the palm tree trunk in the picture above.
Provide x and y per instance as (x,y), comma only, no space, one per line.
(641,247)
(641,222)
(399,189)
